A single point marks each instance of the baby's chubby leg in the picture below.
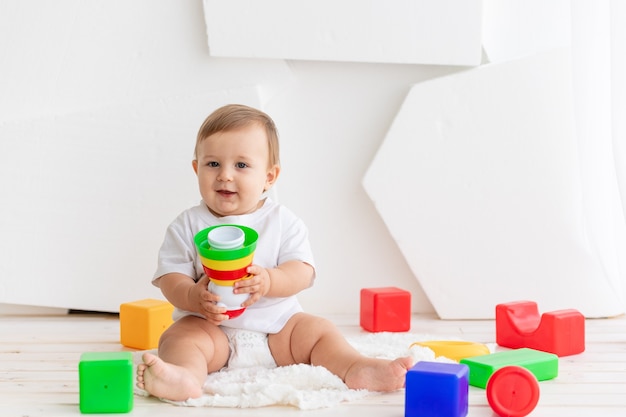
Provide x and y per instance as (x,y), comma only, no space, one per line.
(317,341)
(189,350)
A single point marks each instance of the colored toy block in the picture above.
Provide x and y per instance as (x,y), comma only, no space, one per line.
(561,332)
(436,389)
(453,349)
(512,391)
(105,382)
(143,322)
(386,309)
(542,364)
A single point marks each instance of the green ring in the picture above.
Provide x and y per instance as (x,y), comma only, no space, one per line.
(249,244)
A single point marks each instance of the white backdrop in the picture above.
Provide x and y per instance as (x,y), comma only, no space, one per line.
(99,109)
(98,115)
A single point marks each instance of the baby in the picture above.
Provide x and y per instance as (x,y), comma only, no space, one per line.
(236,162)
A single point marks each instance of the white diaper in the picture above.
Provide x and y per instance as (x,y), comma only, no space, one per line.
(248,349)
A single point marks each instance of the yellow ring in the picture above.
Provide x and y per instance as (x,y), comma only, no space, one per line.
(227,265)
(455,350)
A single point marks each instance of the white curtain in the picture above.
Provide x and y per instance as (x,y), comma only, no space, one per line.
(599,77)
(517,168)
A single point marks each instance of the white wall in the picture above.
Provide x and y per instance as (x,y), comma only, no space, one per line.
(332,122)
(100,103)
(99,106)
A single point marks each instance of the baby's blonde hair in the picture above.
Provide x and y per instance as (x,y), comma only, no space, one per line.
(234,116)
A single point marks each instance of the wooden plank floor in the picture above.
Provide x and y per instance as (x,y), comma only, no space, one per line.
(39,357)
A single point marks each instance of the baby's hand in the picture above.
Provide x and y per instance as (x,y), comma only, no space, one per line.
(257,285)
(207,303)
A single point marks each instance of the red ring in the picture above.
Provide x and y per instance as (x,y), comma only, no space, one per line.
(226,275)
(235,313)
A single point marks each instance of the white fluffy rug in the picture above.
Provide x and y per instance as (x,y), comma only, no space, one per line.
(303,386)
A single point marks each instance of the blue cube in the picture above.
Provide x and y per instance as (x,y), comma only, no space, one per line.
(437,389)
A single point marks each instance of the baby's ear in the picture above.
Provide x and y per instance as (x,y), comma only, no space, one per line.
(194,164)
(272,176)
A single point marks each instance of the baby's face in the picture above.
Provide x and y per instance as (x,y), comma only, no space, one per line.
(233,172)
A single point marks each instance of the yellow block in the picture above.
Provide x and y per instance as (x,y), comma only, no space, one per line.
(143,322)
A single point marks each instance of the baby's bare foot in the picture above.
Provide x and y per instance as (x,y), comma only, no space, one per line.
(165,380)
(378,374)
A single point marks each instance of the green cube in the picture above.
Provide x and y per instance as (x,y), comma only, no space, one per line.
(106,382)
(542,364)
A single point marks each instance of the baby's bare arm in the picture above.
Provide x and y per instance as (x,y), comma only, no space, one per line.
(184,293)
(285,280)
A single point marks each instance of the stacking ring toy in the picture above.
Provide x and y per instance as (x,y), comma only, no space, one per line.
(455,350)
(226,252)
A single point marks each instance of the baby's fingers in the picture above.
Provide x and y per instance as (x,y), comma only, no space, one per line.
(253,298)
(247,285)
(216,314)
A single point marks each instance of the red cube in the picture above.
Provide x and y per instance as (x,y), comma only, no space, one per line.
(386,309)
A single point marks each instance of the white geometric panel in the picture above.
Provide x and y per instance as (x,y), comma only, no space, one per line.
(446,32)
(478,181)
(84,223)
(96,145)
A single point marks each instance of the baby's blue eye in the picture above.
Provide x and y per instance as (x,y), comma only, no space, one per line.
(241,165)
(213,164)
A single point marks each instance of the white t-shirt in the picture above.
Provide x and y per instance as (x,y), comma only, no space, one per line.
(282,237)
